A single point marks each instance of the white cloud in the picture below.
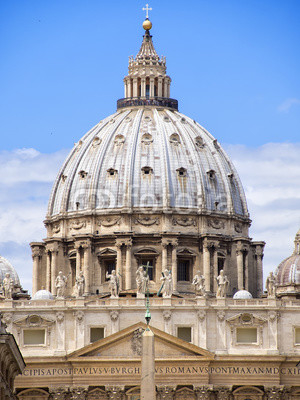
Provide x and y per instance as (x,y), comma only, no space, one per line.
(270,176)
(287,104)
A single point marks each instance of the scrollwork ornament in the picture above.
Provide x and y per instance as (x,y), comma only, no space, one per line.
(222,393)
(60,316)
(114,315)
(216,223)
(201,314)
(221,315)
(167,314)
(274,393)
(146,220)
(6,318)
(184,221)
(79,393)
(202,392)
(109,221)
(79,315)
(115,392)
(58,393)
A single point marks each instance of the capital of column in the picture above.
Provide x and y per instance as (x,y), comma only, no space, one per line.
(79,393)
(274,393)
(166,392)
(209,244)
(222,393)
(242,247)
(52,247)
(58,393)
(115,392)
(36,252)
(202,392)
(128,242)
(259,252)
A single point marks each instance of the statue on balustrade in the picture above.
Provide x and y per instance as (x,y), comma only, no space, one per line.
(79,285)
(8,286)
(167,284)
(199,284)
(114,284)
(271,285)
(61,284)
(223,284)
(142,280)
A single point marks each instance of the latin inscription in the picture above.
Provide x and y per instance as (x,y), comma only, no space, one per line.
(172,370)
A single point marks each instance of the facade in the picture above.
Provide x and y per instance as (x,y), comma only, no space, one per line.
(148,186)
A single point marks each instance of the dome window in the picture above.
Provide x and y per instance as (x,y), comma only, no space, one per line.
(230,175)
(167,119)
(147,139)
(199,142)
(147,171)
(183,120)
(119,140)
(181,172)
(82,174)
(216,144)
(211,174)
(96,141)
(112,172)
(175,139)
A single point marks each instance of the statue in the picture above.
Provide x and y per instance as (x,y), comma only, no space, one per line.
(142,280)
(199,284)
(167,284)
(223,284)
(271,285)
(79,285)
(61,284)
(113,283)
(8,286)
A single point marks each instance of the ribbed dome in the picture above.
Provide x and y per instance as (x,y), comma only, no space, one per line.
(6,267)
(148,158)
(288,271)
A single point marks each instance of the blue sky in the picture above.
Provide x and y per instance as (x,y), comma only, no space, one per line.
(234,66)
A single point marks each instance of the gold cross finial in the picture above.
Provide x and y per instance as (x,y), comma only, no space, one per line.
(147,9)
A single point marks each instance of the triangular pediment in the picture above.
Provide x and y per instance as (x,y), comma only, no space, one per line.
(127,343)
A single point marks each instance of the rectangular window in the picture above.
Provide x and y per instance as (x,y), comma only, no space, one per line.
(184,333)
(297,335)
(96,334)
(183,273)
(34,337)
(109,266)
(246,335)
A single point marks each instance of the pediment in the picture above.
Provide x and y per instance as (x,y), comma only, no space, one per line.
(246,319)
(34,320)
(128,344)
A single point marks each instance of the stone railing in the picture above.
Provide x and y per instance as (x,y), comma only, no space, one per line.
(155,101)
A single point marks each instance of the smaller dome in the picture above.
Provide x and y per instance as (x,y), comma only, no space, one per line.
(43,295)
(242,295)
(288,271)
(7,268)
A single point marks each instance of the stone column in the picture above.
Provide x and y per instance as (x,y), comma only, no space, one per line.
(129,88)
(164,255)
(168,88)
(135,87)
(148,391)
(259,269)
(174,265)
(159,89)
(206,265)
(151,87)
(115,392)
(166,392)
(221,331)
(114,317)
(165,88)
(87,266)
(246,270)
(167,314)
(143,87)
(78,260)
(48,271)
(54,271)
(128,264)
(273,317)
(79,328)
(119,270)
(60,331)
(36,256)
(215,267)
(240,272)
(125,87)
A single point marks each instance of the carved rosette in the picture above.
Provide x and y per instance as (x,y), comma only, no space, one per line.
(79,393)
(202,392)
(115,392)
(166,392)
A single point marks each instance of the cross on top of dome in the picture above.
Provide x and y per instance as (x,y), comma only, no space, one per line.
(147,9)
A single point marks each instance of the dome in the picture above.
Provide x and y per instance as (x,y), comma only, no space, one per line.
(6,267)
(43,295)
(288,271)
(148,158)
(242,295)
